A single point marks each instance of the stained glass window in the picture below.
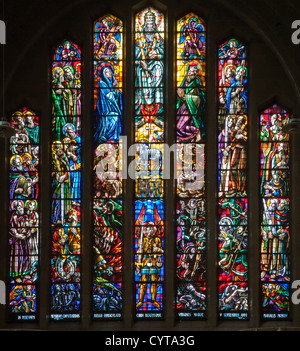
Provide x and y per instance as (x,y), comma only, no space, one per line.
(66,182)
(141,259)
(107,168)
(275,213)
(190,190)
(232,181)
(149,107)
(24,215)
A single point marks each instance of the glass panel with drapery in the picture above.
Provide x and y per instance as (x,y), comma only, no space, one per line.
(232,181)
(190,150)
(149,109)
(107,168)
(66,182)
(24,216)
(275,214)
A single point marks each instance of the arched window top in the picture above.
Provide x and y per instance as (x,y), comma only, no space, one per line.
(191,47)
(107,21)
(273,118)
(194,23)
(108,38)
(67,51)
(191,27)
(232,53)
(150,15)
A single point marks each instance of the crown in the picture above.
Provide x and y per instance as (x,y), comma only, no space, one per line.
(150,16)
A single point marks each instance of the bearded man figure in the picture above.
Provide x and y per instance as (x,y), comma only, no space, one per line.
(190,106)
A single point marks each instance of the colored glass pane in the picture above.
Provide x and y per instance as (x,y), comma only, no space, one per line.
(107,168)
(24,216)
(66,182)
(191,293)
(275,214)
(149,51)
(232,181)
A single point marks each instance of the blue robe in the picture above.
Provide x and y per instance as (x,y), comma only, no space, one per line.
(243,94)
(108,110)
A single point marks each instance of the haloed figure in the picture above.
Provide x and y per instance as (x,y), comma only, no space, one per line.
(109,106)
(149,49)
(192,34)
(190,106)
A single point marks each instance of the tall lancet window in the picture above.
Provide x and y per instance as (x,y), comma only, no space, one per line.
(108,126)
(190,190)
(24,216)
(232,181)
(149,109)
(66,182)
(275,214)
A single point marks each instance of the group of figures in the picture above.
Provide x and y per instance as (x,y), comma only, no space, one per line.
(66,181)
(232,120)
(191,255)
(66,81)
(232,180)
(233,263)
(24,191)
(108,186)
(275,212)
